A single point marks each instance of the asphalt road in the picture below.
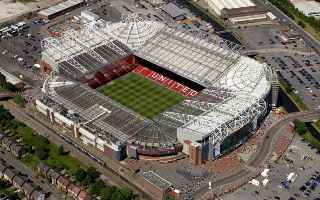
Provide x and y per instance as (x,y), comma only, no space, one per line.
(263,152)
(311,41)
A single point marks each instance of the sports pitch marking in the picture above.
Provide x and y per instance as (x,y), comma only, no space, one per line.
(141,94)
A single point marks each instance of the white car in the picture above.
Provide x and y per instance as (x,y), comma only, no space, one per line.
(20,59)
(4,52)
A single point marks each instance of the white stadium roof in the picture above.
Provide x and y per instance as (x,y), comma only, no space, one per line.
(218,66)
(134,32)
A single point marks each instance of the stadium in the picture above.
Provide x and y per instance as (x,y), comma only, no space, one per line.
(139,87)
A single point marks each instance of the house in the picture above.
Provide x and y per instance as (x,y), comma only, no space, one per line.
(43,169)
(6,142)
(53,176)
(2,135)
(74,190)
(17,150)
(9,174)
(63,183)
(28,189)
(83,195)
(37,195)
(18,181)
(3,167)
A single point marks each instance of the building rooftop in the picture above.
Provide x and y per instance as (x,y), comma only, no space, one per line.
(173,10)
(309,8)
(219,5)
(188,56)
(59,7)
(156,180)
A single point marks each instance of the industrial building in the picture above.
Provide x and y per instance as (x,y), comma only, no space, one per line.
(228,98)
(174,11)
(60,9)
(308,8)
(239,11)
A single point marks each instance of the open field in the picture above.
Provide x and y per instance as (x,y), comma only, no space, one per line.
(140,94)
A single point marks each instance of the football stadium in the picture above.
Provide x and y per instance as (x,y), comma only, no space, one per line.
(140,87)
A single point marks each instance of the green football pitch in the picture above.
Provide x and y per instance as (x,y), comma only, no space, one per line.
(141,94)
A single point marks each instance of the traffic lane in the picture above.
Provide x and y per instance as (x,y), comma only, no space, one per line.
(20,167)
(264,151)
(275,129)
(42,130)
(241,174)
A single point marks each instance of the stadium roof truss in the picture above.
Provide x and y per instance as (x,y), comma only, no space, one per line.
(133,30)
(56,50)
(191,57)
(92,29)
(72,45)
(220,119)
(84,41)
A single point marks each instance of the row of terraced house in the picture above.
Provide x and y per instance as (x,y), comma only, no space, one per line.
(63,183)
(11,145)
(20,182)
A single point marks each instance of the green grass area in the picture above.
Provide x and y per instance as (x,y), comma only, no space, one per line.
(312,140)
(302,129)
(54,158)
(40,148)
(141,94)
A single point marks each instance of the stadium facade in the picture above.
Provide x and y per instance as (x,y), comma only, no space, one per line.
(225,93)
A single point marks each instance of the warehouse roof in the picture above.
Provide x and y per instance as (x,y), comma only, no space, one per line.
(219,5)
(156,180)
(173,10)
(309,8)
(59,7)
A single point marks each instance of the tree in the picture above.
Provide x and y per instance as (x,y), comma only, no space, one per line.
(18,99)
(9,86)
(80,174)
(123,194)
(96,187)
(42,153)
(4,184)
(91,177)
(61,150)
(43,140)
(92,173)
(106,193)
(3,79)
(300,127)
(302,24)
